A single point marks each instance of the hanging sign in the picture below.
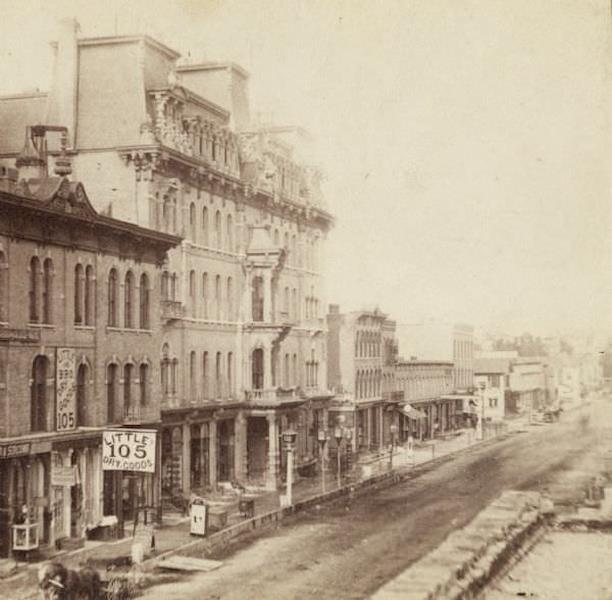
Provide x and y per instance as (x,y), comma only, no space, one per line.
(65,393)
(129,450)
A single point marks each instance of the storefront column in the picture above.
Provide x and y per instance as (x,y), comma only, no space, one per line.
(240,447)
(212,453)
(186,462)
(273,456)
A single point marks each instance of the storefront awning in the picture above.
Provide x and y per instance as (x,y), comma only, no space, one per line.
(412,413)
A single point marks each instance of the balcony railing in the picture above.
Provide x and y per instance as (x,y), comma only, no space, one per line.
(271,396)
(132,415)
(172,310)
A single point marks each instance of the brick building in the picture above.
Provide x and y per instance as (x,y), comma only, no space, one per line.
(242,355)
(361,356)
(79,335)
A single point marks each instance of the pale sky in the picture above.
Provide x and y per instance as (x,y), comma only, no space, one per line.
(466,143)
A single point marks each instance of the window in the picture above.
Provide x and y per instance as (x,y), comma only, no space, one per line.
(78,294)
(218,232)
(192,294)
(205,295)
(205,380)
(192,375)
(230,300)
(89,295)
(276,237)
(143,380)
(111,393)
(295,370)
(144,302)
(286,371)
(34,289)
(230,374)
(218,391)
(127,389)
(174,377)
(112,298)
(257,369)
(81,395)
(218,297)
(39,419)
(205,240)
(229,233)
(257,299)
(165,371)
(48,291)
(294,304)
(192,222)
(128,297)
(165,286)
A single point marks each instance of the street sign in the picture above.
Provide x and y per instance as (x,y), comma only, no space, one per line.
(129,450)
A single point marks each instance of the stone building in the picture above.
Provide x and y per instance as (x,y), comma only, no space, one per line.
(171,147)
(361,356)
(79,337)
(428,409)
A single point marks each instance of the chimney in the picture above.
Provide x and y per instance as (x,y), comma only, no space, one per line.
(62,102)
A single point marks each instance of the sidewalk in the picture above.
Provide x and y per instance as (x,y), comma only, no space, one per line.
(169,537)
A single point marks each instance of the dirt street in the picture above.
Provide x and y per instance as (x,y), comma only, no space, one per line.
(348,552)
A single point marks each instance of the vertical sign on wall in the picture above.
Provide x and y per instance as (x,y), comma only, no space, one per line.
(65,392)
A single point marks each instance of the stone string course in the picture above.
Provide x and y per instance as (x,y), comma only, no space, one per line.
(470,558)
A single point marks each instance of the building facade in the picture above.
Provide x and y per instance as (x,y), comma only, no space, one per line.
(79,335)
(243,350)
(426,387)
(361,358)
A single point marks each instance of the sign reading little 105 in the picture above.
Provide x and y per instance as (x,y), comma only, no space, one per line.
(129,450)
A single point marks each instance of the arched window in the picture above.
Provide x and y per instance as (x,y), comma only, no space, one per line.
(218,297)
(230,374)
(128,372)
(111,393)
(205,240)
(113,293)
(81,395)
(128,297)
(192,375)
(218,375)
(192,294)
(205,295)
(174,377)
(143,381)
(257,305)
(229,233)
(90,294)
(165,370)
(78,294)
(34,290)
(257,369)
(48,291)
(173,282)
(294,256)
(295,307)
(286,303)
(218,231)
(165,286)
(230,300)
(39,418)
(276,237)
(144,302)
(205,377)
(295,371)
(192,222)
